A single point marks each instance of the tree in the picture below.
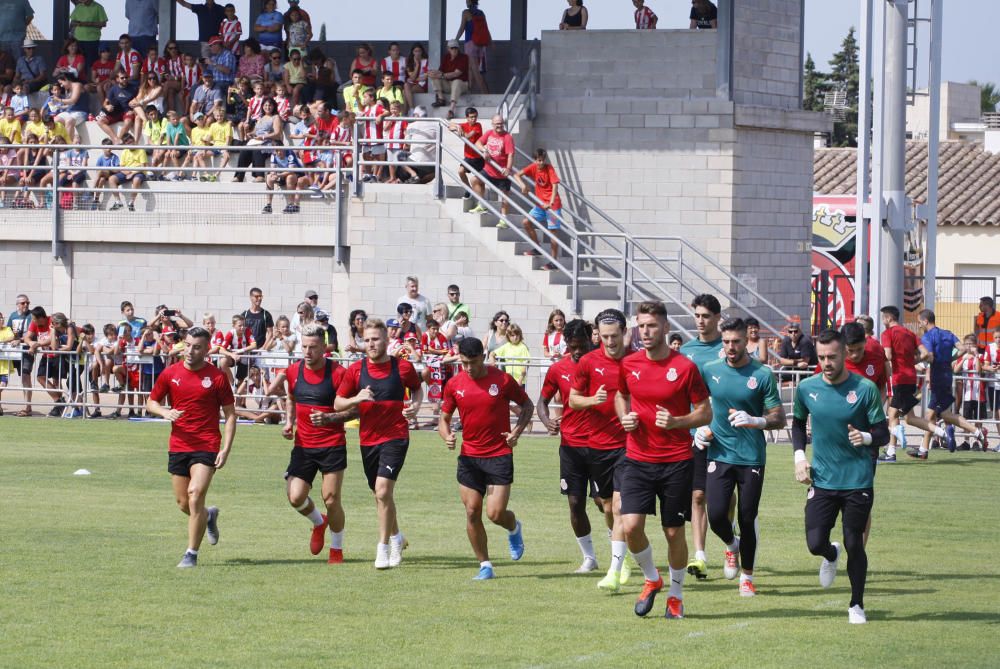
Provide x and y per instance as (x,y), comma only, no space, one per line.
(322,32)
(845,76)
(989,96)
(814,83)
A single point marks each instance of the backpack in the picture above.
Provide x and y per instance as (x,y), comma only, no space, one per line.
(480,31)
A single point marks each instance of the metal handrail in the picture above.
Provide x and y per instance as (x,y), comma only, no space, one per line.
(525,85)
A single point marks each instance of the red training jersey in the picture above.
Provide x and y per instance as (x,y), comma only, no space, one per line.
(872,367)
(102,70)
(484,405)
(381,420)
(498,149)
(199,394)
(673,383)
(594,370)
(472,132)
(308,435)
(645,19)
(545,179)
(559,379)
(903,344)
(234,341)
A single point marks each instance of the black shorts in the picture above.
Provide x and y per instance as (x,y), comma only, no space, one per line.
(974,410)
(54,369)
(305,462)
(642,483)
(478,473)
(385,460)
(904,398)
(179,464)
(993,398)
(941,400)
(579,467)
(823,506)
(145,382)
(502,183)
(25,364)
(242,370)
(700,469)
(475,164)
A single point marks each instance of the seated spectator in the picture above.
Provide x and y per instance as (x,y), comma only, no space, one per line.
(282,102)
(115,107)
(391,91)
(268,26)
(75,104)
(421,153)
(191,78)
(394,65)
(252,62)
(372,128)
(298,30)
(221,132)
(397,149)
(416,73)
(155,132)
(354,93)
(19,101)
(34,125)
(53,104)
(222,64)
(32,155)
(230,30)
(288,176)
(322,78)
(128,60)
(266,132)
(452,77)
(150,94)
(10,126)
(172,79)
(204,97)
(176,137)
(365,61)
(71,59)
(341,138)
(101,74)
(72,174)
(274,73)
(31,70)
(704,15)
(201,136)
(294,77)
(153,64)
(110,162)
(575,17)
(7,72)
(254,111)
(132,162)
(514,351)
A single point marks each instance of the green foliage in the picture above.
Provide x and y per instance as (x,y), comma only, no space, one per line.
(814,84)
(844,75)
(322,32)
(989,96)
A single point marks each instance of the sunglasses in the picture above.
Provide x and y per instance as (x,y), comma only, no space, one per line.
(503,320)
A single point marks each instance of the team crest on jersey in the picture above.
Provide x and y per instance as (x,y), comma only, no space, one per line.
(870,370)
(852,397)
(752,383)
(494,390)
(722,353)
(206,382)
(711,466)
(671,374)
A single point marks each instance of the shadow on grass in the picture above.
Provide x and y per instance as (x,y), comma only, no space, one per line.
(987,617)
(266,562)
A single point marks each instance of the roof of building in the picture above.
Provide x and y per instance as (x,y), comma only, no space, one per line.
(968,179)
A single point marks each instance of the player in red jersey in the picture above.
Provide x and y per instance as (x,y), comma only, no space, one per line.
(595,387)
(376,386)
(197,390)
(482,396)
(320,442)
(900,347)
(661,397)
(576,477)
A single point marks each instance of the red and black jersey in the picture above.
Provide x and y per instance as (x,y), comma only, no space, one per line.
(315,390)
(382,419)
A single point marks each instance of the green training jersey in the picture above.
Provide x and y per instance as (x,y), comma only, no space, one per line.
(836,464)
(701,353)
(751,388)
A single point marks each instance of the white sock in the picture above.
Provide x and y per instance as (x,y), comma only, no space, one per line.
(922,449)
(397,539)
(486,563)
(735,546)
(677,583)
(618,549)
(191,551)
(939,432)
(587,547)
(337,539)
(316,517)
(700,555)
(644,559)
(517,528)
(890,450)
(746,577)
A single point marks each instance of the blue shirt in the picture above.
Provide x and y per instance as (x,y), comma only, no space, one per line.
(108,161)
(287,159)
(267,20)
(120,96)
(14,15)
(941,343)
(225,59)
(143,17)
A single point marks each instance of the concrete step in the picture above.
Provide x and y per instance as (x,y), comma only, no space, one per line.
(594,292)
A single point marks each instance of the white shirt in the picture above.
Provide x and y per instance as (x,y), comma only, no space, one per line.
(421,308)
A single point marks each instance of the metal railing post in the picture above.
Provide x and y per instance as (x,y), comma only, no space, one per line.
(356,166)
(57,247)
(438,156)
(577,302)
(624,283)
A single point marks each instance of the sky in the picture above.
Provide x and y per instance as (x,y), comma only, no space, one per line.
(971,49)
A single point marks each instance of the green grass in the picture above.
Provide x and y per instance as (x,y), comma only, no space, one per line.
(88,576)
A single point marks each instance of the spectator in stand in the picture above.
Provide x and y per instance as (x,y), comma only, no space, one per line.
(513,351)
(365,61)
(238,104)
(71,59)
(354,93)
(204,97)
(294,76)
(498,145)
(797,350)
(7,64)
(19,321)
(8,177)
(72,175)
(455,303)
(150,94)
(33,156)
(252,62)
(176,137)
(101,73)
(645,19)
(191,76)
(497,334)
(19,101)
(31,70)
(86,21)
(231,30)
(355,346)
(267,131)
(128,60)
(553,344)
(289,176)
(143,22)
(473,29)
(210,15)
(404,312)
(416,73)
(110,161)
(201,136)
(575,17)
(391,91)
(281,100)
(76,104)
(394,64)
(704,15)
(105,350)
(294,4)
(239,342)
(173,76)
(471,131)
(221,63)
(452,76)
(547,207)
(424,151)
(268,27)
(395,130)
(132,162)
(372,128)
(10,126)
(14,20)
(274,73)
(322,78)
(420,304)
(154,130)
(255,109)
(298,31)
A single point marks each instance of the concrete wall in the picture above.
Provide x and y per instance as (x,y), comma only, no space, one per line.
(767,58)
(960,103)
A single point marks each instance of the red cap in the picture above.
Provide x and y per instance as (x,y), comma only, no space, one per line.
(215,39)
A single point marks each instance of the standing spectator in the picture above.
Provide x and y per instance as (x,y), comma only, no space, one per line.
(258,320)
(455,303)
(14,20)
(497,335)
(231,30)
(221,63)
(305,313)
(115,107)
(143,22)
(421,305)
(128,59)
(499,147)
(210,15)
(547,210)
(475,34)
(645,19)
(18,322)
(986,321)
(329,332)
(416,73)
(704,15)
(7,64)
(298,31)
(86,21)
(268,27)
(365,61)
(575,17)
(294,4)
(451,76)
(31,69)
(553,343)
(797,350)
(71,60)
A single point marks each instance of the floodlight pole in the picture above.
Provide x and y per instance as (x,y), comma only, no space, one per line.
(894,115)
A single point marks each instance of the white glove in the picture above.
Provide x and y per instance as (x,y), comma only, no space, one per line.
(702,436)
(743,419)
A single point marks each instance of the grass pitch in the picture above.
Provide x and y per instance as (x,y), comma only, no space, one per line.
(88,575)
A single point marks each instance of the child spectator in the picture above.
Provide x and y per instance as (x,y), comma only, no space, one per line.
(110,162)
(132,162)
(19,101)
(101,74)
(221,131)
(395,130)
(72,175)
(645,19)
(514,351)
(553,344)
(176,137)
(128,60)
(674,341)
(394,65)
(255,107)
(231,29)
(238,104)
(391,91)
(34,126)
(106,353)
(416,74)
(374,113)
(201,136)
(153,64)
(71,59)
(281,101)
(288,175)
(8,177)
(299,31)
(341,138)
(10,126)
(235,347)
(547,209)
(148,347)
(33,156)
(53,105)
(155,131)
(969,365)
(190,78)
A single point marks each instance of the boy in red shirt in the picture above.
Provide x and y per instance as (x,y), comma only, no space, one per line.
(471,131)
(547,210)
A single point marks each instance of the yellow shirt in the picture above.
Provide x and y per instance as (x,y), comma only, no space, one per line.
(134,158)
(58,130)
(156,132)
(201,136)
(392,94)
(350,103)
(11,130)
(221,133)
(511,352)
(6,335)
(36,128)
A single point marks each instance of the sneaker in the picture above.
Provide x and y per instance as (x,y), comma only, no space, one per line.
(747,589)
(382,556)
(485,574)
(516,541)
(478,209)
(289,209)
(96,413)
(105,388)
(189,560)
(611,582)
(828,570)
(589,564)
(266,210)
(982,441)
(732,565)
(647,597)
(950,436)
(212,529)
(675,608)
(900,432)
(856,615)
(698,569)
(885,457)
(318,538)
(56,412)
(502,224)
(131,206)
(915,452)
(627,565)
(395,553)
(336,556)
(115,207)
